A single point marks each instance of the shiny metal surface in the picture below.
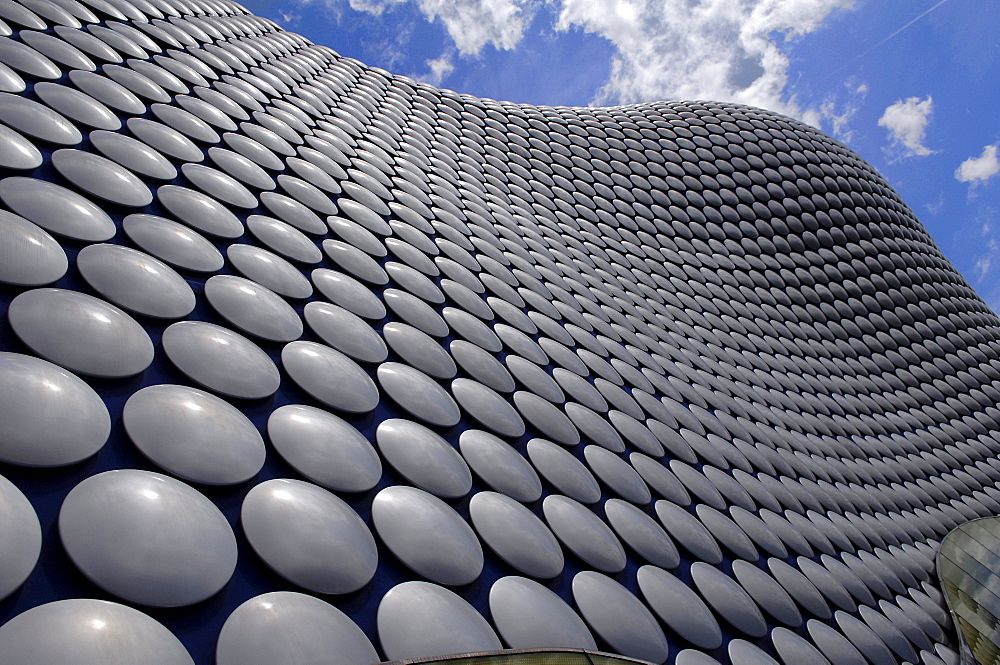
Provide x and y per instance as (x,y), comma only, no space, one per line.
(135,281)
(193,435)
(309,536)
(220,360)
(252,308)
(172,243)
(269,270)
(679,607)
(80,332)
(565,472)
(162,542)
(419,620)
(346,332)
(37,120)
(500,466)
(17,152)
(324,448)
(427,535)
(618,617)
(22,540)
(29,256)
(57,209)
(516,535)
(530,616)
(291,628)
(50,416)
(418,393)
(330,376)
(735,315)
(90,632)
(423,458)
(642,533)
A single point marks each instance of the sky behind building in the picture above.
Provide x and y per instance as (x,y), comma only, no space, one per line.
(913,87)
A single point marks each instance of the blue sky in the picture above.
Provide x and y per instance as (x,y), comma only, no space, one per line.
(913,86)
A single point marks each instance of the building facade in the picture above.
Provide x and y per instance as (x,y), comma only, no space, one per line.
(301,362)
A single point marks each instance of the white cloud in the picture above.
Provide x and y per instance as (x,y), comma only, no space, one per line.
(722,50)
(725,50)
(838,115)
(906,121)
(438,69)
(472,24)
(979,169)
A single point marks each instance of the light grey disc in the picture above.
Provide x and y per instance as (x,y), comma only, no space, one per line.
(89,632)
(165,139)
(80,332)
(101,177)
(767,593)
(17,152)
(692,657)
(427,535)
(173,243)
(419,349)
(29,256)
(106,91)
(617,474)
(135,281)
(330,376)
(219,185)
(418,393)
(253,308)
(530,616)
(584,533)
(48,416)
(688,531)
(198,211)
(565,472)
(619,617)
(22,538)
(728,599)
(221,360)
(77,106)
(488,407)
(194,435)
(349,293)
(161,543)
(309,536)
(57,209)
(37,120)
(423,458)
(25,59)
(679,607)
(345,331)
(546,418)
(516,535)
(483,366)
(293,629)
(269,270)
(421,620)
(500,465)
(747,653)
(284,239)
(324,448)
(134,155)
(793,649)
(415,311)
(642,533)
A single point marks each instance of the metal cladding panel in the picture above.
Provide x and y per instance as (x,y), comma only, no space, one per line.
(300,359)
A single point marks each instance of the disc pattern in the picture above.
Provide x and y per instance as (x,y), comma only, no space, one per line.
(682,352)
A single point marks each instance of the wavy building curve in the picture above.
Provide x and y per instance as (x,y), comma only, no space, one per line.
(302,361)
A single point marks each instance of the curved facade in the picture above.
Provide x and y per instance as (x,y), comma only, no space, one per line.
(304,360)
